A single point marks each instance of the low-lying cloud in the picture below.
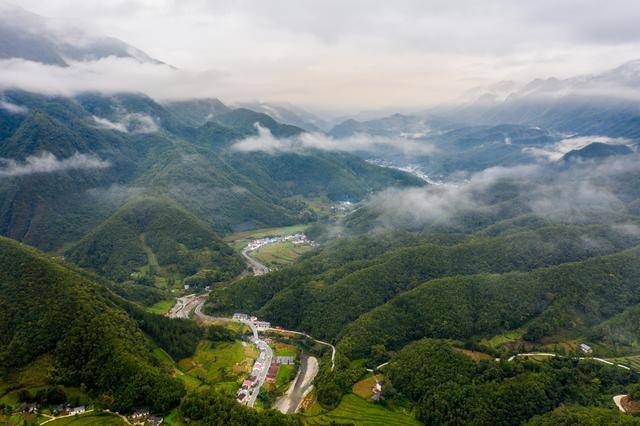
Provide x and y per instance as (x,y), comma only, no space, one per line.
(46,162)
(576,195)
(135,123)
(264,141)
(556,151)
(13,108)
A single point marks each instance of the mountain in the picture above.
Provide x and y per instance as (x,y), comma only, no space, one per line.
(290,114)
(244,120)
(157,234)
(32,37)
(391,126)
(68,163)
(599,104)
(597,150)
(77,332)
(336,295)
(196,112)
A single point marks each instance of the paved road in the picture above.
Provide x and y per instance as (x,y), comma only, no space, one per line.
(257,267)
(290,402)
(604,361)
(185,304)
(261,344)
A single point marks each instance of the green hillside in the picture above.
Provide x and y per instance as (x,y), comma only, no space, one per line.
(145,148)
(324,302)
(450,388)
(157,234)
(47,308)
(544,301)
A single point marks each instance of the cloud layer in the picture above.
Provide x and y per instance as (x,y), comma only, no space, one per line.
(556,151)
(354,53)
(46,162)
(567,195)
(266,142)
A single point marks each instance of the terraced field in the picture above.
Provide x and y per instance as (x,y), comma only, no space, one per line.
(279,254)
(355,410)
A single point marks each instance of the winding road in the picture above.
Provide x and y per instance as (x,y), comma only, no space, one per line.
(257,267)
(583,358)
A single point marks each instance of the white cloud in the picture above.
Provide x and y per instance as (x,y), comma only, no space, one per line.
(13,108)
(46,162)
(266,142)
(135,123)
(556,151)
(567,195)
(361,53)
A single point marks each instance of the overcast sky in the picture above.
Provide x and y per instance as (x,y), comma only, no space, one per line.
(363,54)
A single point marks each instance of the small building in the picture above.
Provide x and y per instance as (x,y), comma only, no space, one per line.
(155,420)
(28,408)
(287,360)
(242,396)
(272,373)
(247,384)
(586,348)
(262,325)
(240,317)
(140,413)
(77,410)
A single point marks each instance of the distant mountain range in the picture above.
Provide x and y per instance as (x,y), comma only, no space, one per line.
(32,37)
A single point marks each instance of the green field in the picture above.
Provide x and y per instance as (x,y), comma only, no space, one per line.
(285,375)
(279,254)
(283,349)
(357,411)
(162,307)
(217,364)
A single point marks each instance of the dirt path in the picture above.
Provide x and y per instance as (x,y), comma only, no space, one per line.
(289,403)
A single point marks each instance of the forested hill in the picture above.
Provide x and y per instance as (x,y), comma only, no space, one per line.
(155,232)
(322,300)
(544,301)
(68,164)
(48,310)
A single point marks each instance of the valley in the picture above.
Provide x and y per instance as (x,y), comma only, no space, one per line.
(319,214)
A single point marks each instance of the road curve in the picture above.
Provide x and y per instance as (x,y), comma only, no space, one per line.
(257,267)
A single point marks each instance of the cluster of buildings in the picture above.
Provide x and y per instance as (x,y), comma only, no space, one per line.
(260,325)
(251,383)
(342,206)
(296,239)
(143,416)
(60,410)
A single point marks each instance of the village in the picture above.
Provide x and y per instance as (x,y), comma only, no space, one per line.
(296,239)
(265,367)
